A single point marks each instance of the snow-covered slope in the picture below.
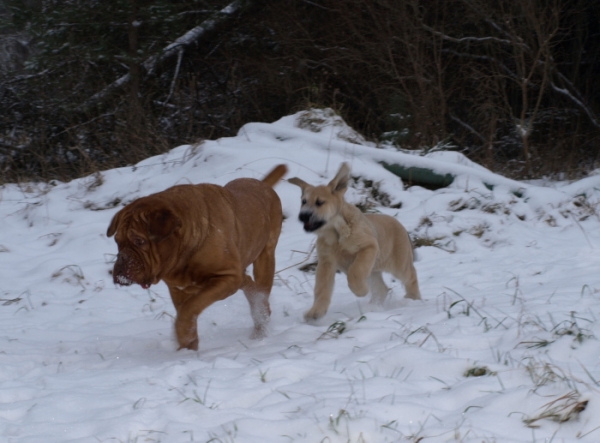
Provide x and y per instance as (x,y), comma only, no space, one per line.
(503,348)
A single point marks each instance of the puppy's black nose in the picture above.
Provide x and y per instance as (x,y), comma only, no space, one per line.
(304,217)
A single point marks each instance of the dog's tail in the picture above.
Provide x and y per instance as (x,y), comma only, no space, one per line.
(275,175)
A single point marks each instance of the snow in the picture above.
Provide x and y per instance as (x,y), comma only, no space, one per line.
(502,348)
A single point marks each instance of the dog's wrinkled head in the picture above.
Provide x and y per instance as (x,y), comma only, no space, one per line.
(321,203)
(142,234)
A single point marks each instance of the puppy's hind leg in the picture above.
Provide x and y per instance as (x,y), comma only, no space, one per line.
(379,289)
(408,276)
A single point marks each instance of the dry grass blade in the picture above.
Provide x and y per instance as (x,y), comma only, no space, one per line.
(561,409)
(334,331)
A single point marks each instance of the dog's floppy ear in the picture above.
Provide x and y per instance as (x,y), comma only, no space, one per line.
(114,224)
(298,182)
(339,183)
(161,224)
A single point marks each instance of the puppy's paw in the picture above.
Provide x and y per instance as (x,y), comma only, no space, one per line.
(360,288)
(314,313)
(413,296)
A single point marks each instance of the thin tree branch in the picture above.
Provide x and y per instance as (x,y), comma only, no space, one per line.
(467,127)
(193,36)
(175,75)
(579,103)
(467,39)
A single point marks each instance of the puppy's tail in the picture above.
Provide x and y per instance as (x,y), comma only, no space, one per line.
(275,175)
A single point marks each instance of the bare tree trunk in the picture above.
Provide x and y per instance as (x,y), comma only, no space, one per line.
(135,108)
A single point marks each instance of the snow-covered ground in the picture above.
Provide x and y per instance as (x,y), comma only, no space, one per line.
(503,347)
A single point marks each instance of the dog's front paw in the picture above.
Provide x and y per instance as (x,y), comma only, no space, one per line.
(187,335)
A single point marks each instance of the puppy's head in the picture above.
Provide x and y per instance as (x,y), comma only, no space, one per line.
(321,203)
(143,235)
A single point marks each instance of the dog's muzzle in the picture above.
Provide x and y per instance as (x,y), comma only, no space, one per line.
(124,270)
(311,223)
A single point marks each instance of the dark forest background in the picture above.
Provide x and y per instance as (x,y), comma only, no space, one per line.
(87,85)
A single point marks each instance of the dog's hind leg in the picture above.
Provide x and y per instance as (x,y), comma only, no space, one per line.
(259,307)
(257,291)
(379,289)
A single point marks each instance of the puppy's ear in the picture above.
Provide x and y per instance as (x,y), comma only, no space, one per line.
(339,183)
(114,224)
(298,182)
(161,224)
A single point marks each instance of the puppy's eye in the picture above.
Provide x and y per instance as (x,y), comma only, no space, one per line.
(319,202)
(138,241)
(303,201)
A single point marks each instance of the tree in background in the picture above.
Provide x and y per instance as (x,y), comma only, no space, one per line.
(514,85)
(63,118)
(509,83)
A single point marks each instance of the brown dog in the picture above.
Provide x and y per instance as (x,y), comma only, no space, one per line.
(361,245)
(199,239)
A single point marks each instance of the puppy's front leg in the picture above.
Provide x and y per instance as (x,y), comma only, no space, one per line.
(324,281)
(361,268)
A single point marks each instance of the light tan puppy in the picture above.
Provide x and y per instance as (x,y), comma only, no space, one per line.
(361,245)
(199,239)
